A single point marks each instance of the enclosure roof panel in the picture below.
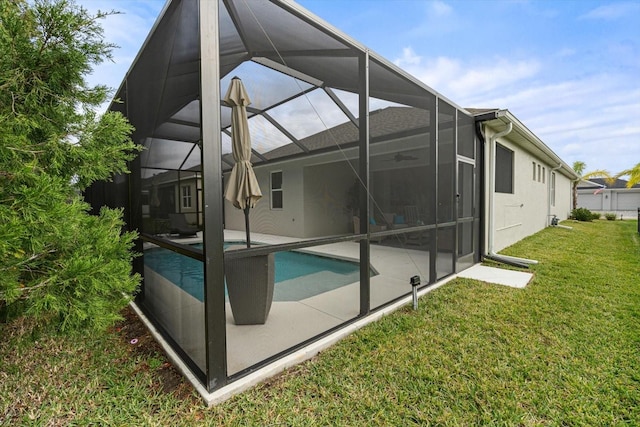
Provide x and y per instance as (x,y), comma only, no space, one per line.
(285,56)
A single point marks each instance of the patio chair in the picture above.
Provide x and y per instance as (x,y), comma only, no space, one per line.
(179,225)
(373,228)
(411,214)
(394,221)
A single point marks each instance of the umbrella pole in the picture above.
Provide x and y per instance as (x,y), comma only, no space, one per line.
(246,224)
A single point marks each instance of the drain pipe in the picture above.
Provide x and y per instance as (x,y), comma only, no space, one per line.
(506,259)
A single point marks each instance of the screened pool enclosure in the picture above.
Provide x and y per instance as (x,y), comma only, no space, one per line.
(368,177)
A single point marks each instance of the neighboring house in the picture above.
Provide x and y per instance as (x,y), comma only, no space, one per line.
(173,192)
(358,162)
(599,195)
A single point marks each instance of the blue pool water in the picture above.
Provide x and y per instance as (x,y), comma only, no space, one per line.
(314,274)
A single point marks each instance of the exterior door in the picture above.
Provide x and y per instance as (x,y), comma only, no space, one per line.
(467,202)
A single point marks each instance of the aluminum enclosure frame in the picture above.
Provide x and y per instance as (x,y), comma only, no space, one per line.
(198,122)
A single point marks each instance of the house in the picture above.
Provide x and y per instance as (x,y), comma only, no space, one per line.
(532,184)
(600,195)
(368,175)
(523,205)
(172,192)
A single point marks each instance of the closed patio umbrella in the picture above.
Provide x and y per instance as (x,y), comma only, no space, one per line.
(243,189)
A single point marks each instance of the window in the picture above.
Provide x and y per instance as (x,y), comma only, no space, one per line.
(504,169)
(544,172)
(553,189)
(538,173)
(276,190)
(186,196)
(534,170)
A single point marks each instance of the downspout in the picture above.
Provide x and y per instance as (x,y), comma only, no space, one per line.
(511,260)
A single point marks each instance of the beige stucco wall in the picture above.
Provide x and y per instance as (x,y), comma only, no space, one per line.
(564,196)
(314,194)
(325,189)
(315,191)
(524,212)
(288,221)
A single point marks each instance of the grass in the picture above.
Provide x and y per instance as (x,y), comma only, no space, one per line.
(563,351)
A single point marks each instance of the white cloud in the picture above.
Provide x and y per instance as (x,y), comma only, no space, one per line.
(613,11)
(565,53)
(596,114)
(464,82)
(127,30)
(572,149)
(439,9)
(409,57)
(439,18)
(593,118)
(489,77)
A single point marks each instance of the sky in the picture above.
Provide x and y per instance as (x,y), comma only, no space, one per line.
(569,70)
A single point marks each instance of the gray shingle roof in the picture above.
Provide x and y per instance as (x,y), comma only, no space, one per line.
(618,183)
(387,121)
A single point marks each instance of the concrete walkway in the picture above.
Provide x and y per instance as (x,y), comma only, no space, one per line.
(498,276)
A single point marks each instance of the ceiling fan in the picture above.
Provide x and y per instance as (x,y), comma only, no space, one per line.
(399,157)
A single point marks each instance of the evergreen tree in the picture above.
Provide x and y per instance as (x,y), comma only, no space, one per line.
(58,263)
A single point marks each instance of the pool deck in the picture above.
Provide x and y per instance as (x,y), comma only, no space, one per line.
(293,322)
(290,323)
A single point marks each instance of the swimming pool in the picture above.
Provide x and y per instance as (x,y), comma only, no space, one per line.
(298,275)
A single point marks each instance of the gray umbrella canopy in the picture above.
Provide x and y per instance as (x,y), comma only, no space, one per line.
(243,189)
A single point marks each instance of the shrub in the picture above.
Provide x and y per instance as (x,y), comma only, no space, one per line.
(58,264)
(584,214)
(610,216)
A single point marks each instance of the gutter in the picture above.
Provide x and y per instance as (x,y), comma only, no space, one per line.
(506,116)
(511,260)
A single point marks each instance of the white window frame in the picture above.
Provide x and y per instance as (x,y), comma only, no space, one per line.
(185,196)
(539,172)
(276,190)
(553,188)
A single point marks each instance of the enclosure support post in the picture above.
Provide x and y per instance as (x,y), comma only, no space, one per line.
(363,113)
(214,300)
(434,153)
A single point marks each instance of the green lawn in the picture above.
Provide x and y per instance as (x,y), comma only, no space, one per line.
(563,351)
